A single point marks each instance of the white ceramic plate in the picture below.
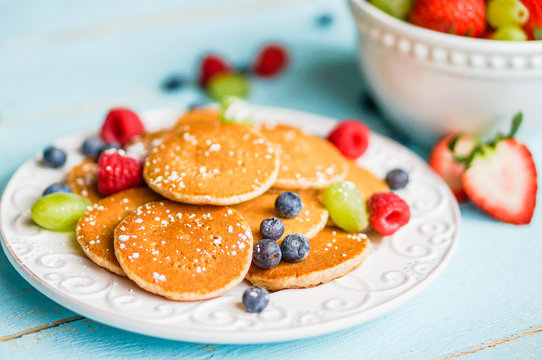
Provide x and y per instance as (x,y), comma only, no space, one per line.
(399,267)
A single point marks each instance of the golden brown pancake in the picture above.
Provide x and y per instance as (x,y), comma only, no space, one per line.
(184,252)
(82,180)
(141,146)
(309,222)
(95,228)
(209,164)
(333,254)
(306,161)
(199,116)
(366,182)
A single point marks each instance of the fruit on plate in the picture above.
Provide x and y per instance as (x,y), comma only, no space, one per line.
(266,254)
(234,110)
(465,17)
(255,299)
(387,212)
(351,137)
(288,205)
(53,157)
(117,171)
(295,248)
(59,211)
(395,8)
(442,160)
(501,178)
(397,179)
(120,126)
(346,206)
(57,187)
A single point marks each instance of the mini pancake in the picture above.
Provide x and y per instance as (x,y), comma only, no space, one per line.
(333,254)
(95,229)
(199,116)
(306,161)
(366,182)
(83,181)
(184,252)
(208,164)
(309,222)
(141,146)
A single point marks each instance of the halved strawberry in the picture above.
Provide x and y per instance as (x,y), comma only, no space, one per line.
(442,161)
(501,179)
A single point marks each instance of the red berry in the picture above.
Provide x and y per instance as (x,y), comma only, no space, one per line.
(465,17)
(271,60)
(351,137)
(387,212)
(210,66)
(442,161)
(116,171)
(120,126)
(535,18)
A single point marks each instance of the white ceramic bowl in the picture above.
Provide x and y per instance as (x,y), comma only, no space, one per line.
(431,83)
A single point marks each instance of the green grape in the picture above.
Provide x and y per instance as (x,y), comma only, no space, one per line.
(346,206)
(234,110)
(509,33)
(226,84)
(59,211)
(395,8)
(506,12)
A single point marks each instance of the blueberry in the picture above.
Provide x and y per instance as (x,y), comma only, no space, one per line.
(288,205)
(324,20)
(255,299)
(295,248)
(57,188)
(174,82)
(397,179)
(92,145)
(53,157)
(105,147)
(272,228)
(266,254)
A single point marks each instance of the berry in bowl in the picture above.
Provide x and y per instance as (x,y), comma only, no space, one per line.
(437,66)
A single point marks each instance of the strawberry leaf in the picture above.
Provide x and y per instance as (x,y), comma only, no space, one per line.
(537,33)
(515,124)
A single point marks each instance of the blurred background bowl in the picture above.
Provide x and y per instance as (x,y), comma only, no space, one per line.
(430,83)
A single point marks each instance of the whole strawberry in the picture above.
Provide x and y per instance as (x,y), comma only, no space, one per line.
(501,178)
(534,24)
(117,171)
(458,17)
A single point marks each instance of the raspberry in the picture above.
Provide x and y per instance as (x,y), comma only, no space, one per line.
(271,60)
(387,212)
(351,137)
(120,126)
(210,66)
(116,171)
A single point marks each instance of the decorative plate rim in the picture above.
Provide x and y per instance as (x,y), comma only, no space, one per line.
(248,336)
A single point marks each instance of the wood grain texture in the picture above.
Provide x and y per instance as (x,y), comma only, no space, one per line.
(63,65)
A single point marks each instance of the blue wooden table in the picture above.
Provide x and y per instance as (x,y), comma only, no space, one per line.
(64,63)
